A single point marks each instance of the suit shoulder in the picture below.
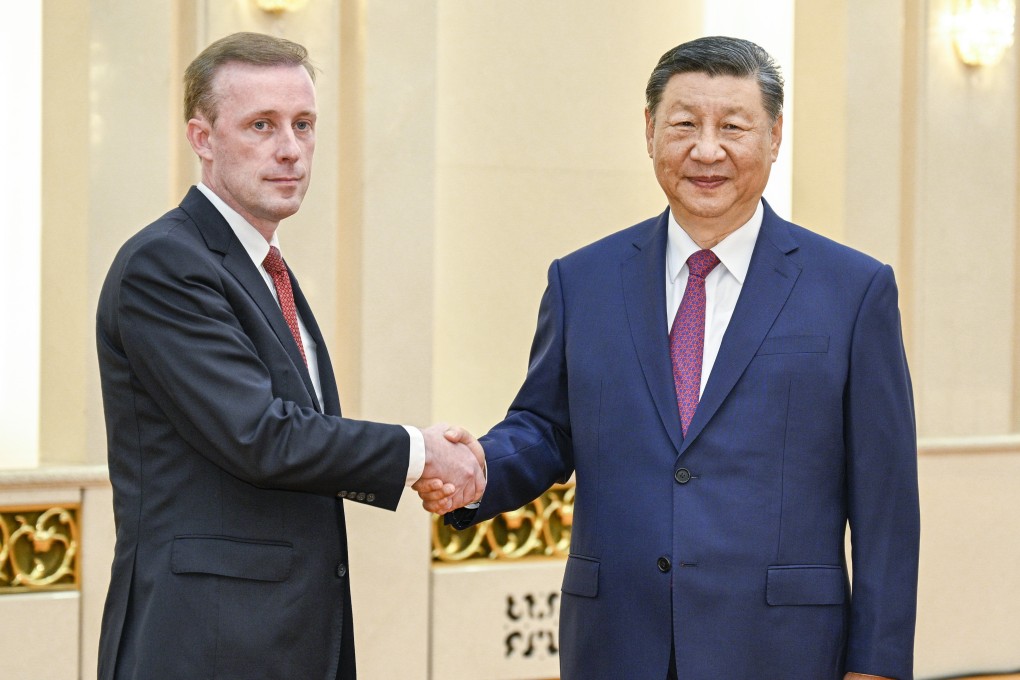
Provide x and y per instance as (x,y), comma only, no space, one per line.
(175,224)
(615,245)
(173,239)
(831,253)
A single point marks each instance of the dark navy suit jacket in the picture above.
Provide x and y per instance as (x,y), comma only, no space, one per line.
(231,554)
(727,544)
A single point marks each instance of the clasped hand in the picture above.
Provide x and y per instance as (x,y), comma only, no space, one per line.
(454,473)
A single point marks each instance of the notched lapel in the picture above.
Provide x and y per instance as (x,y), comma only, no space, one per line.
(220,238)
(770,279)
(327,381)
(644,292)
(237,262)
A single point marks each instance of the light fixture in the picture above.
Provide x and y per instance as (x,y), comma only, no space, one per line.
(983,30)
(279,6)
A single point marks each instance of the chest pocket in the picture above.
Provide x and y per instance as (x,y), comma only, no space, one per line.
(795,344)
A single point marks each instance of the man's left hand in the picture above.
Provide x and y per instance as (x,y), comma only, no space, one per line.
(861,676)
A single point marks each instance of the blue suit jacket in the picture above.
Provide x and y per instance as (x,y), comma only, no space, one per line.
(731,539)
(231,554)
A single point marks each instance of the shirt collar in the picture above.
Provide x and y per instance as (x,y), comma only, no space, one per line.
(254,243)
(734,251)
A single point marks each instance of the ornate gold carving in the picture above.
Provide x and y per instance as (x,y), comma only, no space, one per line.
(38,548)
(541,528)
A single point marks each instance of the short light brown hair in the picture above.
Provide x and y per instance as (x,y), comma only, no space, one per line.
(246,48)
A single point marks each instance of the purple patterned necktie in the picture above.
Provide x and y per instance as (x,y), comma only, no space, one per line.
(277,269)
(687,337)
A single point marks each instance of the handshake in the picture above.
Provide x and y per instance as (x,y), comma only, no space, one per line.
(454,473)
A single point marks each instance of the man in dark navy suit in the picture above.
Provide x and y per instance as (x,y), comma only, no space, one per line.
(229,458)
(729,391)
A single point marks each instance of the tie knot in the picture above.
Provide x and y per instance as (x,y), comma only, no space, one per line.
(701,263)
(273,262)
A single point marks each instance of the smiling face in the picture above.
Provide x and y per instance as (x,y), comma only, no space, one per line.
(712,145)
(257,155)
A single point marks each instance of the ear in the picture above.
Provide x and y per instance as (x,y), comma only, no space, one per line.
(198,132)
(649,131)
(777,137)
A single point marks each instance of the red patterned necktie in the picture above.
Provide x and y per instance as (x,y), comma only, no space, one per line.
(687,336)
(277,269)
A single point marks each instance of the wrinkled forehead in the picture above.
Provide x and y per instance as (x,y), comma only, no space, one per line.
(699,91)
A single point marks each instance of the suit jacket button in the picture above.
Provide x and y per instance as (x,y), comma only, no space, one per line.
(682,476)
(342,494)
(361,496)
(370,497)
(664,564)
(341,570)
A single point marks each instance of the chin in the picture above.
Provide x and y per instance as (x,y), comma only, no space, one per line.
(285,209)
(705,212)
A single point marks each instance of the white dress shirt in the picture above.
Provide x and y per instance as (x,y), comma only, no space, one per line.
(257,248)
(722,285)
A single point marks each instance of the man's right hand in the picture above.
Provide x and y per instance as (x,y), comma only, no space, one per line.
(454,469)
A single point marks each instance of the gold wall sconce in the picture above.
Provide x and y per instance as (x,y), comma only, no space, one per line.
(280,6)
(982,30)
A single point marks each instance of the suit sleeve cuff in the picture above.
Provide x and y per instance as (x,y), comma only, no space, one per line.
(416,459)
(461,518)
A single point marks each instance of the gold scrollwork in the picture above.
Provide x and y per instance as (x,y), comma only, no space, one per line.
(38,548)
(540,528)
(5,550)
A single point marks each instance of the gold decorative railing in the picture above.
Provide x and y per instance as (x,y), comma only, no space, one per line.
(38,548)
(540,528)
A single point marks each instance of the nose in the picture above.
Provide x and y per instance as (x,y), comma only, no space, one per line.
(707,148)
(287,147)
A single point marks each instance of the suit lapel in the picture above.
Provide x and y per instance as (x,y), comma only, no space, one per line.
(330,397)
(220,238)
(644,292)
(770,279)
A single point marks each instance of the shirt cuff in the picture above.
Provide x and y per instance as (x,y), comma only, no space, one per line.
(416,459)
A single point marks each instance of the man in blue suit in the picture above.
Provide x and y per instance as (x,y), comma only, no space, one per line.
(730,391)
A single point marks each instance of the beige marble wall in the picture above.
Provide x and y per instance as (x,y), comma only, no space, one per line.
(819,194)
(53,618)
(965,232)
(968,591)
(388,165)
